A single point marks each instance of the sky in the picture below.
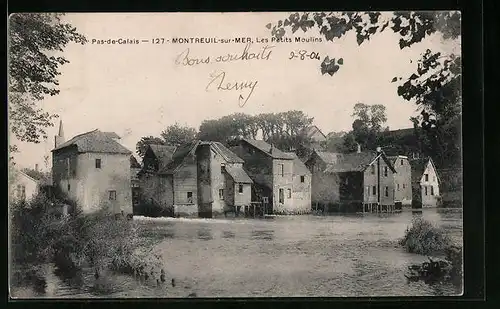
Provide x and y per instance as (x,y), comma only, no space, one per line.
(138,90)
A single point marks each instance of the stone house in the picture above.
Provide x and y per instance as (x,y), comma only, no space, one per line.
(135,168)
(360,181)
(23,187)
(272,172)
(301,189)
(324,186)
(93,170)
(425,182)
(196,179)
(402,181)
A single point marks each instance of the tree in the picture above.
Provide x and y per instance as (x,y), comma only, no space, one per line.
(34,40)
(434,87)
(143,143)
(176,135)
(368,124)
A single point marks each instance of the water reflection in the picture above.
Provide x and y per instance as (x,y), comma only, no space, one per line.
(263,234)
(205,233)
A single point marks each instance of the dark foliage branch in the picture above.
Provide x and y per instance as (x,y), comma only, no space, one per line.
(34,67)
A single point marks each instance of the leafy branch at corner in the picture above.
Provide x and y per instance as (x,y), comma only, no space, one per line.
(435,86)
(35,40)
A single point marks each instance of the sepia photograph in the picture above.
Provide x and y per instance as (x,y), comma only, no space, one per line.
(235,155)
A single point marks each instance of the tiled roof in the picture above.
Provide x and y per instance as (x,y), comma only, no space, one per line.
(163,153)
(95,141)
(112,134)
(228,155)
(299,168)
(178,157)
(352,162)
(272,151)
(329,157)
(238,174)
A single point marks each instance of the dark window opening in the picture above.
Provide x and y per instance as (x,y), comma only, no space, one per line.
(190,197)
(386,191)
(97,163)
(373,169)
(385,171)
(112,195)
(402,162)
(425,188)
(302,178)
(69,186)
(240,188)
(282,196)
(426,176)
(221,194)
(432,190)
(404,186)
(374,190)
(398,186)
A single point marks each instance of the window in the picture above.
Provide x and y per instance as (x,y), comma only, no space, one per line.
(221,194)
(302,178)
(404,186)
(432,190)
(385,171)
(386,191)
(426,177)
(69,186)
(112,195)
(368,191)
(425,188)
(97,163)
(281,196)
(240,188)
(21,192)
(397,185)
(402,162)
(373,169)
(282,170)
(190,197)
(289,193)
(374,190)
(222,167)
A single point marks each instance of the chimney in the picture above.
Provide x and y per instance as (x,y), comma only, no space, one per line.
(36,167)
(271,149)
(59,138)
(359,148)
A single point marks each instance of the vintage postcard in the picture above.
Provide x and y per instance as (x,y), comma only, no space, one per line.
(209,155)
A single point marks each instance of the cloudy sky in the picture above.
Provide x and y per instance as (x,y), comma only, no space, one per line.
(138,89)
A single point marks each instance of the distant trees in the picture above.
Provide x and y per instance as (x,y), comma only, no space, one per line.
(176,135)
(143,143)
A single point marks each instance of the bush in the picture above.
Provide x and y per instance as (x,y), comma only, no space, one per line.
(424,238)
(100,240)
(151,209)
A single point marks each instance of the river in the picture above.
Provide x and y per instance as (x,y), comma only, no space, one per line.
(304,256)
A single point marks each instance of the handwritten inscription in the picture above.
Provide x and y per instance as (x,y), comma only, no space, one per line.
(187,59)
(303,54)
(218,81)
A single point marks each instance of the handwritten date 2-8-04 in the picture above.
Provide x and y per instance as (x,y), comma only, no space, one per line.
(304,54)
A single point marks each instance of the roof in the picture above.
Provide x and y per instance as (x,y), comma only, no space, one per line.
(328,157)
(393,159)
(238,174)
(134,163)
(268,149)
(27,176)
(163,153)
(418,168)
(95,141)
(112,135)
(299,168)
(356,162)
(309,131)
(228,155)
(178,157)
